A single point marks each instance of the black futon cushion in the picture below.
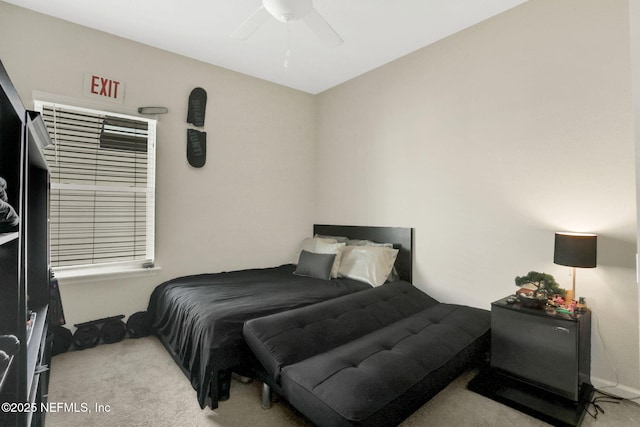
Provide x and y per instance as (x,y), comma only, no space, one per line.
(368,358)
(288,337)
(353,383)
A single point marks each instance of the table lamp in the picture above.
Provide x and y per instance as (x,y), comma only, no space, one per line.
(575,250)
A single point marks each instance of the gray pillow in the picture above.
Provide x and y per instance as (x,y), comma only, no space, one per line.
(315,265)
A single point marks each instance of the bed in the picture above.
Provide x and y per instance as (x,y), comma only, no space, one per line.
(199,318)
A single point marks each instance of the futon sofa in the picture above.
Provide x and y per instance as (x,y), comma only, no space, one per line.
(368,358)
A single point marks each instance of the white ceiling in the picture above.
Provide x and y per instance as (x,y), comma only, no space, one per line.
(374,31)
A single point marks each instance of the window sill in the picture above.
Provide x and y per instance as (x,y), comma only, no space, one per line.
(100,274)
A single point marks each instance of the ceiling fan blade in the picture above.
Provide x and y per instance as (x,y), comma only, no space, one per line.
(318,25)
(251,25)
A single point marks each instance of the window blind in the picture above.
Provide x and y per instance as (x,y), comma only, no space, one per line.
(102,205)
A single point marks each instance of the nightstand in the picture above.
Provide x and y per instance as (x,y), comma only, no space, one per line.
(540,362)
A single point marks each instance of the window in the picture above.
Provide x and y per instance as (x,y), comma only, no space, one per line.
(102,187)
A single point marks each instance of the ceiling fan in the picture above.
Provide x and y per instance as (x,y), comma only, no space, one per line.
(287,11)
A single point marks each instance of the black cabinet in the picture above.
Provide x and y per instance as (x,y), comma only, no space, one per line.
(24,261)
(548,349)
(540,362)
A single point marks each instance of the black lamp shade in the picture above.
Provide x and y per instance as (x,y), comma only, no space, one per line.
(576,250)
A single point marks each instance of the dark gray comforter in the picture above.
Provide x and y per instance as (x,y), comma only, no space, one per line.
(199,318)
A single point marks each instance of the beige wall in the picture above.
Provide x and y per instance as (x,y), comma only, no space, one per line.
(634,18)
(247,207)
(488,142)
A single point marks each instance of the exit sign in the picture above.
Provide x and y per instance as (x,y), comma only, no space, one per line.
(106,88)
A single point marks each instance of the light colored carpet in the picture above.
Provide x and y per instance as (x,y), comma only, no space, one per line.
(135,383)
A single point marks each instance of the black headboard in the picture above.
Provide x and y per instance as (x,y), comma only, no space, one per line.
(401,237)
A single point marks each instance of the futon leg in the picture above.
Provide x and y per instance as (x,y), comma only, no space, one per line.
(266,396)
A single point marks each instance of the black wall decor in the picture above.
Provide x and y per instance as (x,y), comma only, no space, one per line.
(197,107)
(196,139)
(196,148)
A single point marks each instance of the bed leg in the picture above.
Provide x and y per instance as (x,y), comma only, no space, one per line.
(266,396)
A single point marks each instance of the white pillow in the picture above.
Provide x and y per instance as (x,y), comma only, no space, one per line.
(358,242)
(339,239)
(309,245)
(370,264)
(331,248)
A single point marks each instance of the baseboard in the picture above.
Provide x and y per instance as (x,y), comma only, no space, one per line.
(620,390)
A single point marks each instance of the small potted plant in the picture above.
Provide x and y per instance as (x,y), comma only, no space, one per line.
(536,288)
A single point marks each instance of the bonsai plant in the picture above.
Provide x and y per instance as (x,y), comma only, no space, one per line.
(544,286)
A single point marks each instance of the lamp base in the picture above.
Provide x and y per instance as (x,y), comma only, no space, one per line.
(568,296)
